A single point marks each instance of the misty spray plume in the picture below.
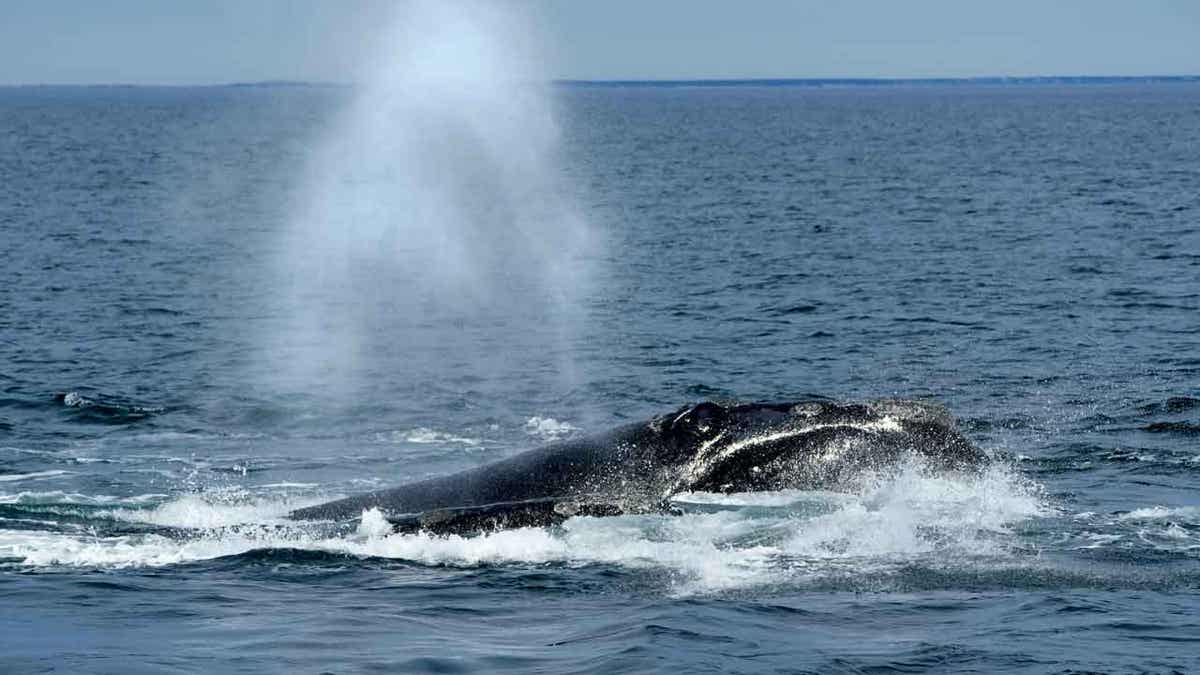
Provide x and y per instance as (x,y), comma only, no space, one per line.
(437,243)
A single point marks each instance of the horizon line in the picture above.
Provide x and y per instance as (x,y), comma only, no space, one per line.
(669,82)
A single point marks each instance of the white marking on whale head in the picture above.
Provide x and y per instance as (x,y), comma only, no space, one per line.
(706,457)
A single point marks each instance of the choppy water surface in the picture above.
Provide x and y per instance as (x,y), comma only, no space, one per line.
(1027,255)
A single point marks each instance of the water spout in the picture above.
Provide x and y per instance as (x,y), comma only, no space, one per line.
(437,240)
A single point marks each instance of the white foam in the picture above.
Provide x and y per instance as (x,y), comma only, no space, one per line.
(915,514)
(1097,540)
(699,549)
(373,524)
(524,545)
(54,497)
(548,428)
(1174,531)
(897,519)
(214,510)
(1160,512)
(150,437)
(424,435)
(40,548)
(74,399)
(57,456)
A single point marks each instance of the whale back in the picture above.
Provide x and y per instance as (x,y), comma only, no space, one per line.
(601,464)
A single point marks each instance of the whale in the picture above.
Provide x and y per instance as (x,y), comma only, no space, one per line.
(808,444)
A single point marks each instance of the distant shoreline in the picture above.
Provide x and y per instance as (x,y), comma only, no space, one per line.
(884,81)
(812,82)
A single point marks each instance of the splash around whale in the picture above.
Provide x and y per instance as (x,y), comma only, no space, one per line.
(707,447)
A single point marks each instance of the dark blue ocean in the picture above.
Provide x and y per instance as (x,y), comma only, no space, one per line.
(1027,255)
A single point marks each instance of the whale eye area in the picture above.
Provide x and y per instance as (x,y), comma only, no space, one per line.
(700,420)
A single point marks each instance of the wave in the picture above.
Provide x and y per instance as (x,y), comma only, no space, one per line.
(60,498)
(1158,534)
(18,477)
(214,510)
(1182,428)
(1173,404)
(1191,513)
(721,542)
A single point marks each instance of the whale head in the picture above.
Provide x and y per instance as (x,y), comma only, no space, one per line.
(803,444)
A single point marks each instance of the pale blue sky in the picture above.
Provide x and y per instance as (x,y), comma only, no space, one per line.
(190,42)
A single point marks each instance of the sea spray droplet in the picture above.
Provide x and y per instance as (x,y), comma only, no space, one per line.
(373,524)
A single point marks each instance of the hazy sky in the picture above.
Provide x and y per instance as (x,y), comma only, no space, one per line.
(208,41)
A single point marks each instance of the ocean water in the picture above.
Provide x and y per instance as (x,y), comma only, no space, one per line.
(1028,255)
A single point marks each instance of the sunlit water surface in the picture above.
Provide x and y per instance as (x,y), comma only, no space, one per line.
(1027,255)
